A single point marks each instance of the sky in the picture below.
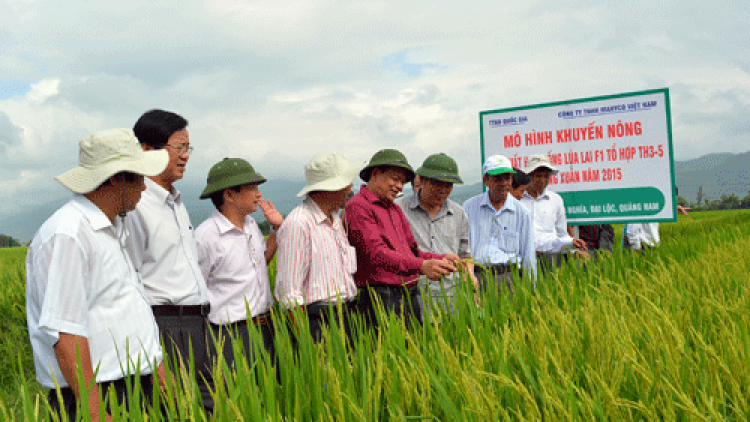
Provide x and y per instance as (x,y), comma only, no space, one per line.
(276,82)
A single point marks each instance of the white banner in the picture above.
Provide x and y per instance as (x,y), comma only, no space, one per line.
(614,153)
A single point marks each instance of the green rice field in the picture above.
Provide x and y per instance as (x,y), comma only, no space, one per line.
(658,336)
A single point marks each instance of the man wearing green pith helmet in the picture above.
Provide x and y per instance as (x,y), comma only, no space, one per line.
(233,254)
(389,261)
(439,225)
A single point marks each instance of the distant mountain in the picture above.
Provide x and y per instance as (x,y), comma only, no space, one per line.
(719,174)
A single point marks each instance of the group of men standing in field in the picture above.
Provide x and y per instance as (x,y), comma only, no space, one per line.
(104,293)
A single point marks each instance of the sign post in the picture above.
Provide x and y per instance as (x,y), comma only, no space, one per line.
(614,153)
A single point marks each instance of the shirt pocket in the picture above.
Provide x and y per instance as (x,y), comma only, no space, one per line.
(508,242)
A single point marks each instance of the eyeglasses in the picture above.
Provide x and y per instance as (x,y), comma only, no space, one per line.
(181,149)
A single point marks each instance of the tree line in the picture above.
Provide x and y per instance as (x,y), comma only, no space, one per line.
(726,202)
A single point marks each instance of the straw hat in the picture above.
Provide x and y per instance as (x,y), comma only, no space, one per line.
(329,171)
(107,153)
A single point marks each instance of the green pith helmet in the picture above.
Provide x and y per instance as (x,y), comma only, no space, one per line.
(228,173)
(440,167)
(387,158)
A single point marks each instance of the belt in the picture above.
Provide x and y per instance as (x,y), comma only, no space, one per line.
(178,310)
(262,319)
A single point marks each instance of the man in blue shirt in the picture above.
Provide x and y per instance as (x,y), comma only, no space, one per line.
(502,234)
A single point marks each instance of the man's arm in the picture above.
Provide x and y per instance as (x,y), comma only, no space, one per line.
(527,247)
(67,351)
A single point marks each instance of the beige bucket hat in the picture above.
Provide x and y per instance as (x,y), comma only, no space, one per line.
(329,171)
(536,161)
(107,153)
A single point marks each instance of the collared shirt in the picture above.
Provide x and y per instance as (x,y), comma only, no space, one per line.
(80,281)
(550,223)
(234,265)
(387,252)
(162,247)
(504,236)
(315,261)
(640,234)
(446,233)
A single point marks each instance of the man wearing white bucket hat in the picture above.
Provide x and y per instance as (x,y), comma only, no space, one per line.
(502,235)
(87,316)
(316,263)
(551,236)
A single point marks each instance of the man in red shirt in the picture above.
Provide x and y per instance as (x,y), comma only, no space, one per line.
(389,261)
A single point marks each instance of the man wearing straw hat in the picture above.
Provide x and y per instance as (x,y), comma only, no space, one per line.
(233,255)
(389,260)
(551,237)
(90,326)
(439,225)
(502,235)
(316,263)
(162,247)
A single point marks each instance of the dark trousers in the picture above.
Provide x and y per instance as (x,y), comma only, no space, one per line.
(182,334)
(230,333)
(320,314)
(122,389)
(550,261)
(403,301)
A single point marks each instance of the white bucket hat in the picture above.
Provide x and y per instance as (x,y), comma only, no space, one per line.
(107,153)
(329,171)
(536,161)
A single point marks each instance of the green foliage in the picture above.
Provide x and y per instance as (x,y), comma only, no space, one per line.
(8,242)
(656,336)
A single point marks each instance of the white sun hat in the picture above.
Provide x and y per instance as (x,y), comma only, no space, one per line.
(536,161)
(329,171)
(107,153)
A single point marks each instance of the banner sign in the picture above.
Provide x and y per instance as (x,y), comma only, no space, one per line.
(614,153)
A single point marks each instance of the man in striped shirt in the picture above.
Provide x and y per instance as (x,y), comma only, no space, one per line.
(316,263)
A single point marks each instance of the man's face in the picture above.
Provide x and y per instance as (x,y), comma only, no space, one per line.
(434,192)
(539,179)
(498,184)
(133,191)
(247,199)
(177,147)
(386,183)
(518,192)
(339,200)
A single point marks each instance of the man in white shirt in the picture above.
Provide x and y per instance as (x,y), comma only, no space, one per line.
(87,316)
(551,238)
(316,263)
(162,247)
(502,235)
(233,255)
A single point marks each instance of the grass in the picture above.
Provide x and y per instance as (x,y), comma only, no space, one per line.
(660,336)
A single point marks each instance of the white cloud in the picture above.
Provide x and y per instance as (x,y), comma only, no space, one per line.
(277,82)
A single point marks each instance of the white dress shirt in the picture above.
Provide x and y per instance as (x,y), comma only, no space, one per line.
(550,223)
(234,266)
(315,261)
(640,234)
(163,249)
(80,281)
